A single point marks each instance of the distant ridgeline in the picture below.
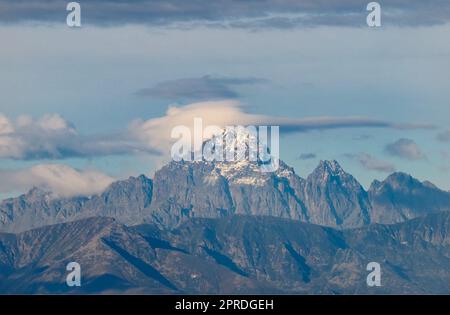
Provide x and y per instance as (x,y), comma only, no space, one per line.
(183,190)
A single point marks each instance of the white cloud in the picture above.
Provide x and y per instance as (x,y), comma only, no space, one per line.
(26,137)
(156,132)
(61,180)
(405,148)
(371,163)
(52,137)
(5,125)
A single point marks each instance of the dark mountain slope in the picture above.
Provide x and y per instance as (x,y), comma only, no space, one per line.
(235,254)
(123,200)
(401,197)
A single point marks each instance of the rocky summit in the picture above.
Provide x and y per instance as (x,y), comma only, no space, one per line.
(183,190)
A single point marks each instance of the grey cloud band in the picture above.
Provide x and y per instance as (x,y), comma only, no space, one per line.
(229,13)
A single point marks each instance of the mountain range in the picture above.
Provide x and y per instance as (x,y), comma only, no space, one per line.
(227,227)
(230,255)
(183,190)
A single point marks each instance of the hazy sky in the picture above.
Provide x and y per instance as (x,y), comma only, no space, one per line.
(84,97)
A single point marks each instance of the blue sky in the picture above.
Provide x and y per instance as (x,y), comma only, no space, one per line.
(119,69)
